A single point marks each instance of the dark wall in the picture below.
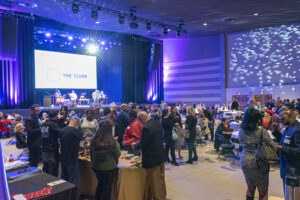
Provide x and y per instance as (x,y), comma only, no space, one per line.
(109,66)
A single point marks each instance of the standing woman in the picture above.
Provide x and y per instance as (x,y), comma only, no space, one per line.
(170,143)
(63,118)
(89,125)
(256,172)
(105,153)
(176,123)
(191,122)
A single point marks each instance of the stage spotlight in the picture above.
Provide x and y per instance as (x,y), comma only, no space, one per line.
(148,26)
(102,42)
(178,33)
(48,34)
(133,25)
(121,18)
(94,14)
(83,40)
(92,48)
(70,38)
(75,8)
(165,32)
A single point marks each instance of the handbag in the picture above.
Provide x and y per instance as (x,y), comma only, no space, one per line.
(266,152)
(174,134)
(186,133)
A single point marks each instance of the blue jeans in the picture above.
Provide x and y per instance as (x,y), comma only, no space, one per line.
(192,150)
(69,172)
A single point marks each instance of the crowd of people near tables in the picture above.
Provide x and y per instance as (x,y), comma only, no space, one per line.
(154,131)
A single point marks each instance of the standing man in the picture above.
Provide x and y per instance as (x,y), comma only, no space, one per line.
(289,147)
(33,128)
(235,104)
(70,140)
(50,134)
(123,121)
(153,157)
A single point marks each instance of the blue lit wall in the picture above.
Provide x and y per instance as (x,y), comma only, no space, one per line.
(194,70)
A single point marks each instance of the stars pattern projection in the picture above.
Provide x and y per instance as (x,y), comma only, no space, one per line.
(265,57)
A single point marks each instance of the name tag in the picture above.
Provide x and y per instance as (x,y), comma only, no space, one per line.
(287,140)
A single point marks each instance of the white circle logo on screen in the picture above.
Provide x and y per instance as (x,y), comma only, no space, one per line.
(53,75)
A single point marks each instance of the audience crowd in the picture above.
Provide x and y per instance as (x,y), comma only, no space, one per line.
(155,132)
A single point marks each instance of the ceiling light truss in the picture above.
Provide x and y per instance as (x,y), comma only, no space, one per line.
(127,16)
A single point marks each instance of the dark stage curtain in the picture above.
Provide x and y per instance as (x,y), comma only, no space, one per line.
(17,77)
(142,71)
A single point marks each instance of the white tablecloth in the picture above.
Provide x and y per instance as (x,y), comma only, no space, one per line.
(235,125)
(235,134)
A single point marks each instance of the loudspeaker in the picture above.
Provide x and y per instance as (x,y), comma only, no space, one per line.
(47,101)
(9,35)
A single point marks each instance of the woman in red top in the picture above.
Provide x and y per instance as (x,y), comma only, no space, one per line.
(4,126)
(133,132)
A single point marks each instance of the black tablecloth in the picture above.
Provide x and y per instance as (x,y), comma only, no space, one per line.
(63,191)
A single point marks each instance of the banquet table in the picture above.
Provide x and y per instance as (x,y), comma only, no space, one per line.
(62,191)
(235,135)
(235,125)
(130,184)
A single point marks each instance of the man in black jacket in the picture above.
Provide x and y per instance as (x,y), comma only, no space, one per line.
(123,121)
(33,128)
(153,156)
(235,104)
(50,134)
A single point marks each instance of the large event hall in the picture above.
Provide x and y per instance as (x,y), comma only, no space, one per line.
(149,100)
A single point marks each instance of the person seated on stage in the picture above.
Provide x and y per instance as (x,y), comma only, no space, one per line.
(57,94)
(73,97)
(223,130)
(44,117)
(5,124)
(21,140)
(134,131)
(63,117)
(89,125)
(96,96)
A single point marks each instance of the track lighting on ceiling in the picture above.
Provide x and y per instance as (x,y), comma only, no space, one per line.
(121,18)
(94,14)
(148,26)
(133,19)
(75,8)
(165,31)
